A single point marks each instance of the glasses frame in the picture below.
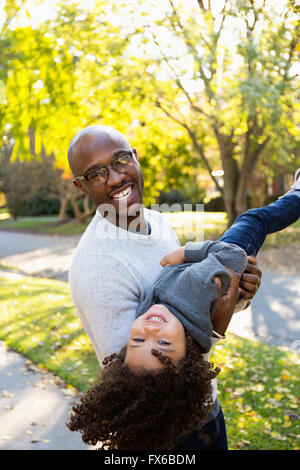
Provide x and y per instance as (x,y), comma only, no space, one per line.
(107,168)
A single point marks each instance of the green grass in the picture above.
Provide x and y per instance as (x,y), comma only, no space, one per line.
(258,384)
(186,224)
(259,392)
(48,224)
(189,226)
(38,320)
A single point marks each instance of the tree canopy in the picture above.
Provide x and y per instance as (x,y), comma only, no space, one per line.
(196,86)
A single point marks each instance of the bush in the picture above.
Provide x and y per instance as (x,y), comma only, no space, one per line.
(215,205)
(40,206)
(176,196)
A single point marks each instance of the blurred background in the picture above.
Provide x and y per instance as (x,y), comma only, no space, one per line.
(206,91)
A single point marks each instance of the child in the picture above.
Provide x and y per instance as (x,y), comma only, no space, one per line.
(158,390)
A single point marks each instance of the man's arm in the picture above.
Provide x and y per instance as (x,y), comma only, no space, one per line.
(106,295)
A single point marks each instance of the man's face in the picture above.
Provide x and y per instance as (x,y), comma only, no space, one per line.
(121,190)
(156,329)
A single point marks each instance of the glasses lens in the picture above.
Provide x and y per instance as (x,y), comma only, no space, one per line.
(123,162)
(98,176)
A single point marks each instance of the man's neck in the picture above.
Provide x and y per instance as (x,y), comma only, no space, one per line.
(135,223)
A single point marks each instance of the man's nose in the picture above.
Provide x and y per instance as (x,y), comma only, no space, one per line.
(114,177)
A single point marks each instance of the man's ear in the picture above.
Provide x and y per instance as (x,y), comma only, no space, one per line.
(80,187)
(135,153)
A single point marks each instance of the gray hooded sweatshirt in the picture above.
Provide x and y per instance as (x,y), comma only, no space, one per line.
(188,289)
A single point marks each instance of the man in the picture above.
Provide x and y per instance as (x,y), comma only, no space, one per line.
(119,255)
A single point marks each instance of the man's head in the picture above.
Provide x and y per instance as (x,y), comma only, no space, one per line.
(156,330)
(100,146)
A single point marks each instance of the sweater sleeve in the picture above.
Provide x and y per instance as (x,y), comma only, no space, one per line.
(228,254)
(106,295)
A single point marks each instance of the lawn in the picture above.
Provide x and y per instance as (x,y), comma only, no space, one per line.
(258,384)
(189,226)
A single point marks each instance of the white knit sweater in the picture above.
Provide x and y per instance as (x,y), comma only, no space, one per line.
(109,274)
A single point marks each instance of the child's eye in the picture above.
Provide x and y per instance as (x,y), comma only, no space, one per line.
(138,340)
(165,343)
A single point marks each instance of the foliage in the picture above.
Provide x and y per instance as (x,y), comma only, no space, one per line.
(40,205)
(29,184)
(193,86)
(224,73)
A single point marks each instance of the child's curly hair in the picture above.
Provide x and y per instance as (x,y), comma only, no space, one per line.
(129,410)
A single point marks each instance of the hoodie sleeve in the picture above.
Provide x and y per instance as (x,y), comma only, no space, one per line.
(228,254)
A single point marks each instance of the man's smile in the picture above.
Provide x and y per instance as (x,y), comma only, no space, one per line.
(124,192)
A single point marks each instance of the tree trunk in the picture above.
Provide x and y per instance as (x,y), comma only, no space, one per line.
(231,174)
(73,198)
(64,199)
(80,216)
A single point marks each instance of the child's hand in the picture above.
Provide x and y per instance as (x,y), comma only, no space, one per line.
(176,257)
(226,303)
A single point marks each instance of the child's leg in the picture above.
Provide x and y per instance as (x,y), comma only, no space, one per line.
(251,228)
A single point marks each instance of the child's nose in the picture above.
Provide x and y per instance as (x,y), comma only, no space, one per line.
(151,327)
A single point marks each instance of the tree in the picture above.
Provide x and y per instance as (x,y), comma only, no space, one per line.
(73,72)
(234,98)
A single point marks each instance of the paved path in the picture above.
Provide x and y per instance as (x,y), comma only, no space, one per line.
(34,408)
(38,255)
(274,316)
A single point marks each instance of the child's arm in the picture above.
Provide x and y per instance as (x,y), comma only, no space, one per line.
(250,278)
(230,255)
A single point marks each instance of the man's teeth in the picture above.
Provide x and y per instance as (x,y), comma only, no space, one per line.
(123,194)
(154,318)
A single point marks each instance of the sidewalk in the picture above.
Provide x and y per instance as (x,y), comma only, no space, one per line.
(34,406)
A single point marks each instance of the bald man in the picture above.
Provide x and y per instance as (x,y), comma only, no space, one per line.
(93,148)
(118,256)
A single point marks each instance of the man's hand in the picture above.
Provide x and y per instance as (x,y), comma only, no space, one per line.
(226,303)
(176,257)
(250,279)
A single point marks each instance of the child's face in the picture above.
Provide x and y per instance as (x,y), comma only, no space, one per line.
(157,329)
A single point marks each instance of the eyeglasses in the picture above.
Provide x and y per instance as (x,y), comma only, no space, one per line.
(99,176)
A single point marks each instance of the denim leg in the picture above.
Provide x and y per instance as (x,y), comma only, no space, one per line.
(251,228)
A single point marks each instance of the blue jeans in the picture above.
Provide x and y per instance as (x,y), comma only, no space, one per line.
(251,228)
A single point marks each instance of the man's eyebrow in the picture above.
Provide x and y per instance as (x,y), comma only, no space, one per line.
(93,167)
